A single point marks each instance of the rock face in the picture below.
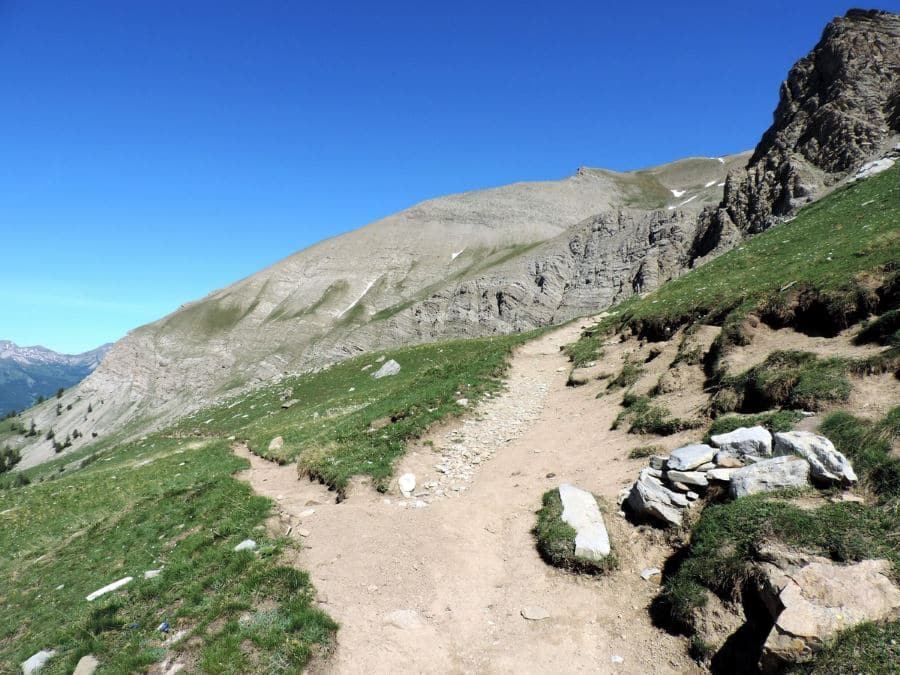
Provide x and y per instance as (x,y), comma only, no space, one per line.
(826,463)
(813,603)
(838,108)
(770,474)
(743,441)
(581,512)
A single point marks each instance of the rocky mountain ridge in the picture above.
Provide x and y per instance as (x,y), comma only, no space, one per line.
(29,372)
(517,257)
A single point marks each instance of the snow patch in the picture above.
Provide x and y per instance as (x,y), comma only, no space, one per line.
(362,295)
(721,161)
(710,184)
(722,184)
(677,193)
(689,199)
(454,256)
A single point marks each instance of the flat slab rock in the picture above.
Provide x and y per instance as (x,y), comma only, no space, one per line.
(649,497)
(535,613)
(745,441)
(86,665)
(690,457)
(823,598)
(769,474)
(581,512)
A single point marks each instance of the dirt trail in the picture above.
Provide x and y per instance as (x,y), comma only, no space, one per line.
(466,563)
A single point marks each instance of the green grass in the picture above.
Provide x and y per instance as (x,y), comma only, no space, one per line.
(871,648)
(884,330)
(328,432)
(556,539)
(811,264)
(786,379)
(776,420)
(180,511)
(725,539)
(631,372)
(585,351)
(644,451)
(868,445)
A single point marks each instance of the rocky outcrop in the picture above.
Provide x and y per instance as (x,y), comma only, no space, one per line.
(811,599)
(838,108)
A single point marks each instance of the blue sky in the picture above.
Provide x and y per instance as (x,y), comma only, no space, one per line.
(155,150)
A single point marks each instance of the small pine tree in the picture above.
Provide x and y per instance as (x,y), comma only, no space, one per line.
(40,398)
(33,430)
(90,408)
(59,392)
(50,435)
(58,409)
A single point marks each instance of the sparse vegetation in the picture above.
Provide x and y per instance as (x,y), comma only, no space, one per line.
(884,330)
(556,539)
(584,351)
(644,451)
(871,648)
(630,373)
(650,418)
(868,445)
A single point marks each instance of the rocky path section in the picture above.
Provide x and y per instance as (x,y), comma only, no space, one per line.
(458,586)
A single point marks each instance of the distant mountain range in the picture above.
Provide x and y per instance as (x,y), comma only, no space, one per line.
(29,372)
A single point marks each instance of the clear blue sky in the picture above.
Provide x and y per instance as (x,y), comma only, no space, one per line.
(155,150)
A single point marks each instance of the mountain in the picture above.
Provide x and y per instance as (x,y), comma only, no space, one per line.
(29,372)
(511,258)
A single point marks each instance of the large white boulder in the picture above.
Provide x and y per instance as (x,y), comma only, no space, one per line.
(770,474)
(388,369)
(745,441)
(581,512)
(826,463)
(690,457)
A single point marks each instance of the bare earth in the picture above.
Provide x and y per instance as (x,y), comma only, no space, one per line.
(466,563)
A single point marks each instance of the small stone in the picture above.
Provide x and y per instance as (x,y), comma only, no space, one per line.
(108,588)
(37,661)
(407,483)
(692,496)
(535,613)
(462,401)
(695,478)
(303,532)
(306,514)
(86,665)
(290,404)
(246,545)
(706,467)
(650,572)
(550,475)
(728,462)
(276,444)
(404,619)
(616,659)
(723,475)
(658,462)
(152,574)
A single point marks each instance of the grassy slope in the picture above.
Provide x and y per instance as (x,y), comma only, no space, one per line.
(328,429)
(182,511)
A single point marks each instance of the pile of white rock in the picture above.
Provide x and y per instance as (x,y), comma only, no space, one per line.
(747,460)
